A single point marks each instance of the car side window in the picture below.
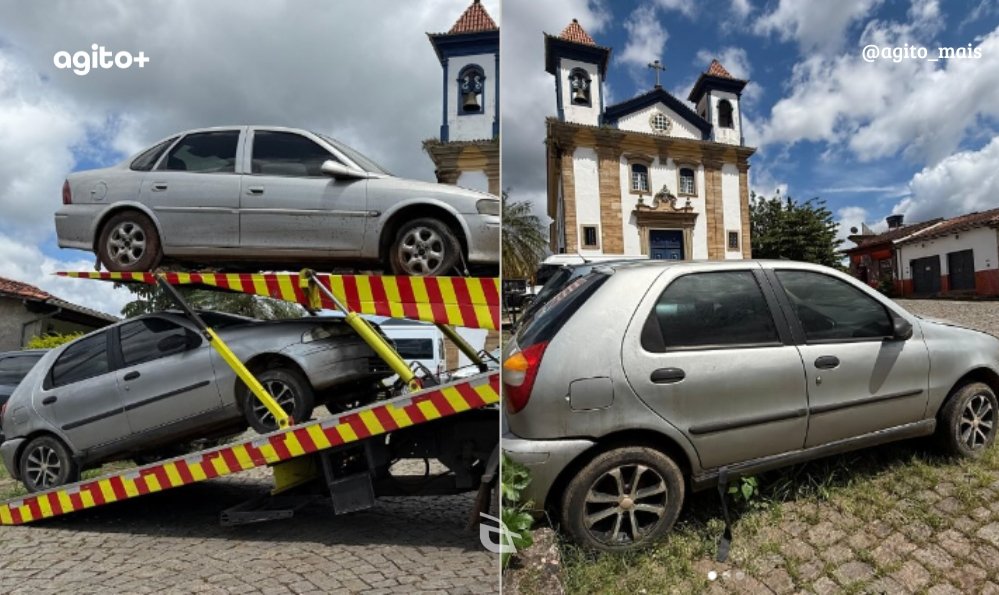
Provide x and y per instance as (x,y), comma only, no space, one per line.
(148,159)
(13,369)
(86,358)
(149,339)
(831,309)
(204,152)
(706,310)
(287,154)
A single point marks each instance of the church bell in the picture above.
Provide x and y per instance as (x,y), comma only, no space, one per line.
(579,95)
(471,102)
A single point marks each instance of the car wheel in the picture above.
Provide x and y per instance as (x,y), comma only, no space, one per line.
(424,247)
(46,463)
(623,499)
(968,420)
(292,392)
(129,243)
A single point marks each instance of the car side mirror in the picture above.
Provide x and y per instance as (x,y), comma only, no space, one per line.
(902,328)
(341,172)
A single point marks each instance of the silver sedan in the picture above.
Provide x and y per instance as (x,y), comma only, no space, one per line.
(144,386)
(284,196)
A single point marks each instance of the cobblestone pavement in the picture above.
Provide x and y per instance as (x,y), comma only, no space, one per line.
(172,542)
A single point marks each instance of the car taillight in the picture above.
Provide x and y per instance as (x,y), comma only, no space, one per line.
(67,194)
(519,372)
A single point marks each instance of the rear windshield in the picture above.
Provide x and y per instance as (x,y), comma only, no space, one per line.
(551,316)
(13,369)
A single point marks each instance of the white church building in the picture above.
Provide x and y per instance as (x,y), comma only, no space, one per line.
(647,176)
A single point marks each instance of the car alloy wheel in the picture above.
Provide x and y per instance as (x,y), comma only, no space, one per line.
(126,244)
(421,251)
(283,394)
(46,463)
(968,420)
(625,503)
(623,499)
(977,423)
(292,391)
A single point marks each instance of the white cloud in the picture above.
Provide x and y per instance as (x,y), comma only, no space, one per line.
(741,8)
(685,7)
(646,38)
(923,109)
(813,25)
(24,262)
(963,182)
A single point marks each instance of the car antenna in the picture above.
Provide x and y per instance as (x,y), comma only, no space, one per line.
(583,258)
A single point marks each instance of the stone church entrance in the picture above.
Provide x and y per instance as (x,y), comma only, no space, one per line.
(666,244)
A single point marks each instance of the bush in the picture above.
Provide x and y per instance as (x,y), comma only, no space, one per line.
(51,340)
(514,477)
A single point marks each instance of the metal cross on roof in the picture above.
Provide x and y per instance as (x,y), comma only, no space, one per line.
(658,67)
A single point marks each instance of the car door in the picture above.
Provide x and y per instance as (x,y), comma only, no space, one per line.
(166,373)
(80,396)
(860,379)
(706,353)
(288,204)
(194,191)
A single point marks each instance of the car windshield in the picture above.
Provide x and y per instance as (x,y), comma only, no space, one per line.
(14,369)
(359,158)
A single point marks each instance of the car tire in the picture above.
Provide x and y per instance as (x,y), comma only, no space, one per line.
(129,243)
(46,463)
(623,499)
(291,390)
(969,420)
(424,247)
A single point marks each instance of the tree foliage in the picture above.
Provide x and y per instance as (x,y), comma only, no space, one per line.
(789,230)
(525,240)
(51,340)
(150,298)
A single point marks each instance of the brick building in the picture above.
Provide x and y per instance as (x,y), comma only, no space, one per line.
(647,176)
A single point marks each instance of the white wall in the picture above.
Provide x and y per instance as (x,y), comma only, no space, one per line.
(731,207)
(982,240)
(475,180)
(473,126)
(580,114)
(587,192)
(725,135)
(639,122)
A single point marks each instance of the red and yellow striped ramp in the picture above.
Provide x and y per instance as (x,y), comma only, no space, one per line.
(400,412)
(471,302)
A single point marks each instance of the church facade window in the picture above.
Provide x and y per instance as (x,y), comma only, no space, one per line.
(471,90)
(686,184)
(579,86)
(660,123)
(639,177)
(590,237)
(725,114)
(733,240)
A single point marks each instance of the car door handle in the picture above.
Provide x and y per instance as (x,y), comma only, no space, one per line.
(667,375)
(255,190)
(827,362)
(49,400)
(132,375)
(159,186)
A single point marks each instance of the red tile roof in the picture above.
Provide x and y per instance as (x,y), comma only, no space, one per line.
(575,33)
(716,69)
(988,218)
(22,290)
(889,236)
(474,19)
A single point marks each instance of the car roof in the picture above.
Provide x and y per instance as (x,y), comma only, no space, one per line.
(23,352)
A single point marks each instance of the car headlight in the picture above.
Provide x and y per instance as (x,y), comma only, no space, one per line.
(488,206)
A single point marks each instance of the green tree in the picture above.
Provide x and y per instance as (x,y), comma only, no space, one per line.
(524,239)
(150,298)
(789,230)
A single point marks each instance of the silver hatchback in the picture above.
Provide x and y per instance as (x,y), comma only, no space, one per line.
(252,194)
(145,387)
(691,370)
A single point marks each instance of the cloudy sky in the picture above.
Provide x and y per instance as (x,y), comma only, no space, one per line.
(912,137)
(361,71)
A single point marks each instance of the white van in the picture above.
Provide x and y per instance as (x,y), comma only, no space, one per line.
(416,342)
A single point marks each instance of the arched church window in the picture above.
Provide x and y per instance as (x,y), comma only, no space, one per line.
(639,177)
(725,113)
(579,85)
(471,88)
(686,185)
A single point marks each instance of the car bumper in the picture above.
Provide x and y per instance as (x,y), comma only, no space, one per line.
(8,452)
(483,239)
(545,460)
(74,226)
